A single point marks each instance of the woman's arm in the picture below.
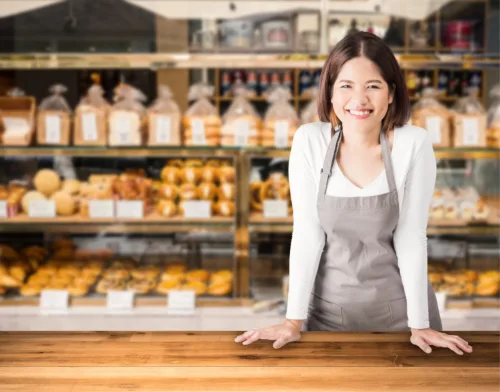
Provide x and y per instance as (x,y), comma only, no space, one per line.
(308,237)
(410,237)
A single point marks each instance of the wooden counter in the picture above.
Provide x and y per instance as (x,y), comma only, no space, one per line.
(211,361)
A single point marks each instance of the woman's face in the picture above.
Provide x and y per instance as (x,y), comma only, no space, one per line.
(360,95)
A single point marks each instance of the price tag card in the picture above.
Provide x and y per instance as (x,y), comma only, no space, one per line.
(3,209)
(52,129)
(433,125)
(130,209)
(198,129)
(120,300)
(241,133)
(163,129)
(181,301)
(101,209)
(89,127)
(471,131)
(16,124)
(54,301)
(275,208)
(122,127)
(42,209)
(197,209)
(281,134)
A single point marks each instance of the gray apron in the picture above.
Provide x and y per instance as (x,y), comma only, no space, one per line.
(358,286)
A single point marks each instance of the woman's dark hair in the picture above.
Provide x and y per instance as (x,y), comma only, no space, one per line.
(373,48)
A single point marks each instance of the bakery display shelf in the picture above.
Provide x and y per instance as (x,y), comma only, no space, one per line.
(223,61)
(259,224)
(150,224)
(141,301)
(139,151)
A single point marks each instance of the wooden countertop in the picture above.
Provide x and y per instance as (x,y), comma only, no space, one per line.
(212,361)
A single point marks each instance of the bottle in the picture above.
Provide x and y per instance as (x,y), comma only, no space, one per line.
(304,81)
(263,83)
(442,83)
(287,80)
(252,82)
(225,87)
(275,80)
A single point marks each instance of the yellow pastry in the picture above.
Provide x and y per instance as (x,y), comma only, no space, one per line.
(176,276)
(78,289)
(207,191)
(226,191)
(105,285)
(191,175)
(65,203)
(18,273)
(141,286)
(30,290)
(168,192)
(226,174)
(198,287)
(145,273)
(9,281)
(209,174)
(47,181)
(116,273)
(197,275)
(175,267)
(166,208)
(166,286)
(220,288)
(221,276)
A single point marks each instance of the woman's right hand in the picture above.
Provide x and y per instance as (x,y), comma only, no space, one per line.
(283,333)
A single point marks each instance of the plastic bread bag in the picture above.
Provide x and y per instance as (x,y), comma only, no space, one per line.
(281,120)
(430,114)
(54,121)
(91,118)
(493,118)
(201,121)
(126,118)
(164,119)
(469,121)
(310,113)
(17,118)
(241,121)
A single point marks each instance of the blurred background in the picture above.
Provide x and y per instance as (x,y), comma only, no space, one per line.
(144,147)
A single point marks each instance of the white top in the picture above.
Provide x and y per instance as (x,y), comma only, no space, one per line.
(414,166)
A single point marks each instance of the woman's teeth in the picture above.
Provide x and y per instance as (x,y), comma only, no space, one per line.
(360,112)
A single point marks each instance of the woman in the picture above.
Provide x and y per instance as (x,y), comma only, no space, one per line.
(361,184)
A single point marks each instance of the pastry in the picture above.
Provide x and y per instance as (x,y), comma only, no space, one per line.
(255,200)
(188,192)
(207,191)
(8,253)
(194,163)
(221,276)
(209,174)
(30,290)
(176,276)
(18,273)
(226,191)
(56,285)
(166,208)
(487,289)
(37,279)
(71,186)
(214,163)
(220,288)
(116,273)
(225,208)
(105,285)
(226,174)
(65,203)
(481,211)
(198,287)
(191,175)
(146,272)
(176,268)
(77,289)
(47,182)
(141,286)
(198,275)
(9,281)
(168,192)
(165,286)
(171,175)
(178,163)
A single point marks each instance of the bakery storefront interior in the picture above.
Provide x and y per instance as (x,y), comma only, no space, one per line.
(143,157)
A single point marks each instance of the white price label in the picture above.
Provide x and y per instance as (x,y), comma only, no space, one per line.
(181,301)
(470,128)
(120,299)
(16,124)
(3,209)
(281,134)
(101,209)
(275,208)
(241,133)
(54,301)
(130,209)
(89,127)
(198,129)
(52,129)
(123,129)
(163,129)
(42,209)
(433,125)
(197,209)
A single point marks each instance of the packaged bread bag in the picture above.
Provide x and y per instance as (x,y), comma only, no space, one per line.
(469,121)
(281,120)
(201,121)
(91,122)
(431,115)
(127,117)
(241,122)
(493,119)
(164,118)
(17,118)
(54,118)
(310,113)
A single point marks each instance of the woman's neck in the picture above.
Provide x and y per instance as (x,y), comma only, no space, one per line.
(363,140)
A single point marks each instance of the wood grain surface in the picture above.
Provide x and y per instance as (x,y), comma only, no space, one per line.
(212,361)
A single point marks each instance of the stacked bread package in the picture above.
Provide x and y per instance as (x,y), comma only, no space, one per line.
(431,115)
(91,122)
(469,121)
(127,117)
(493,126)
(201,122)
(241,122)
(310,112)
(164,118)
(54,118)
(281,120)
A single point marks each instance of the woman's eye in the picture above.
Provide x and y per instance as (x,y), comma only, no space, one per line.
(345,86)
(373,86)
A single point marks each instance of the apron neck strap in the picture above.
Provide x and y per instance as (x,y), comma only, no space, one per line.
(331,155)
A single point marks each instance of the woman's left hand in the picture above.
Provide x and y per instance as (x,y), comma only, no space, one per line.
(424,338)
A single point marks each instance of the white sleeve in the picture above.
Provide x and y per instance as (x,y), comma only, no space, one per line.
(308,237)
(410,237)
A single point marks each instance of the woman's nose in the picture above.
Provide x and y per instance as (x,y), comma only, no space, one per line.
(359,97)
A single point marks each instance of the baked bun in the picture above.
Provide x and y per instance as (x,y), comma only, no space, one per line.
(191,175)
(198,275)
(47,181)
(199,288)
(65,203)
(226,174)
(226,191)
(208,174)
(168,192)
(30,290)
(166,208)
(71,186)
(171,175)
(188,192)
(220,288)
(225,208)
(207,191)
(165,286)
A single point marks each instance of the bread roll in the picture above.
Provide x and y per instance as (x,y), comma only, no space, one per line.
(71,186)
(47,182)
(207,191)
(65,203)
(171,175)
